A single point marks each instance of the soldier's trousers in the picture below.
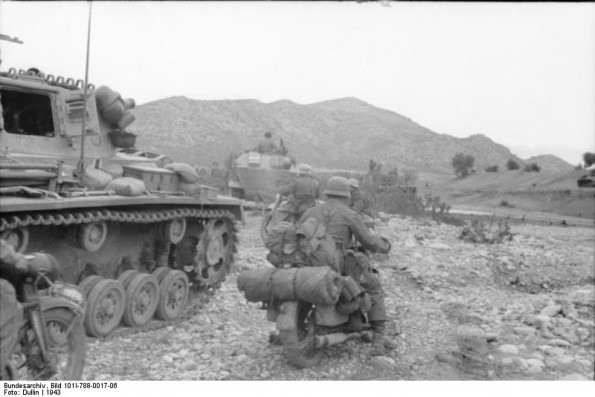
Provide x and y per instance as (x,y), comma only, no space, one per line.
(372,284)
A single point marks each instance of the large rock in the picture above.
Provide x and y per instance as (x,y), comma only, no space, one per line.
(508,349)
(551,310)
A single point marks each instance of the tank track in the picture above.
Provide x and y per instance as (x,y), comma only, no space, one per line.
(198,296)
(105,215)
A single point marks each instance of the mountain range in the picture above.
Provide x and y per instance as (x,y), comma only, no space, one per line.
(342,133)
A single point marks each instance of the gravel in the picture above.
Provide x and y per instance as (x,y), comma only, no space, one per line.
(459,311)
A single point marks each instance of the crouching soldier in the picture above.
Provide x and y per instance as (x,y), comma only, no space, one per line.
(343,224)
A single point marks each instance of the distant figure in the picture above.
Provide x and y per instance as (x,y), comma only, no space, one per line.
(304,190)
(359,202)
(267,145)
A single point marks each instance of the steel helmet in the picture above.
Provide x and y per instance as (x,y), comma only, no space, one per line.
(337,186)
(304,169)
(353,183)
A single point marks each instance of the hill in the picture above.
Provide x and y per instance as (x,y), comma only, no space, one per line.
(342,133)
(526,192)
(550,163)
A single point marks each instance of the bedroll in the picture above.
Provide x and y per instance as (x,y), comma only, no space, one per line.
(318,285)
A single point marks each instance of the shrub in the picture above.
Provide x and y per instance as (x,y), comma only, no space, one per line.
(492,168)
(462,164)
(589,159)
(533,167)
(480,232)
(512,165)
(505,203)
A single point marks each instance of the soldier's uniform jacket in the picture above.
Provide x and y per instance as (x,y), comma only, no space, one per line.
(305,191)
(343,223)
(267,146)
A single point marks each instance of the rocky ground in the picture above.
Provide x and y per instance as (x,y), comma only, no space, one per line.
(517,310)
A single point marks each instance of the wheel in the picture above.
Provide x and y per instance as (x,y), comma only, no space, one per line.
(299,344)
(69,349)
(126,277)
(214,253)
(91,236)
(161,272)
(88,283)
(18,238)
(142,296)
(105,307)
(174,230)
(173,294)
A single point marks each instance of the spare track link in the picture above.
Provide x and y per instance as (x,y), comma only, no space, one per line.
(105,215)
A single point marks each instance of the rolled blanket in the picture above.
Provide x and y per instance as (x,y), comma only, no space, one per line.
(318,285)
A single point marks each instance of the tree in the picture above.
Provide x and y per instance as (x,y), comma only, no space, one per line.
(589,159)
(492,168)
(462,164)
(533,167)
(512,165)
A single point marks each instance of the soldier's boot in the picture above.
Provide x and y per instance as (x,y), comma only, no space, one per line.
(381,341)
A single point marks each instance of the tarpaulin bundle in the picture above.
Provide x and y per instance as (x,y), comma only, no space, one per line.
(319,285)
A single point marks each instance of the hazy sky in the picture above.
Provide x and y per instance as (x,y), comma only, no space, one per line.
(521,74)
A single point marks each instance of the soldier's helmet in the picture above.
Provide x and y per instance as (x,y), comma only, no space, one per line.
(304,169)
(353,183)
(337,186)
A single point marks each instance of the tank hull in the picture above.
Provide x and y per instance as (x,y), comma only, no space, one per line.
(261,184)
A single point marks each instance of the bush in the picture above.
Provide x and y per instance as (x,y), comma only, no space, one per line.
(533,167)
(589,159)
(480,232)
(505,203)
(462,164)
(512,165)
(492,168)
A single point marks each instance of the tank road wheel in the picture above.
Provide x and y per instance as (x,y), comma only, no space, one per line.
(161,272)
(173,294)
(105,307)
(89,282)
(215,253)
(91,236)
(142,296)
(18,238)
(126,277)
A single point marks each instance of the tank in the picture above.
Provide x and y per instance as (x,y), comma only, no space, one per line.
(134,230)
(259,176)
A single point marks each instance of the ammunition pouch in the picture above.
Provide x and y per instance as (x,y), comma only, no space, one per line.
(353,297)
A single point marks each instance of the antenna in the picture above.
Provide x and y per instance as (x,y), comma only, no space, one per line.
(81,164)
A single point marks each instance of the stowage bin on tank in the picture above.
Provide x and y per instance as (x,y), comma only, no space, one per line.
(134,231)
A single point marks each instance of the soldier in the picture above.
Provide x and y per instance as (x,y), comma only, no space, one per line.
(359,202)
(10,308)
(304,190)
(267,145)
(342,223)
